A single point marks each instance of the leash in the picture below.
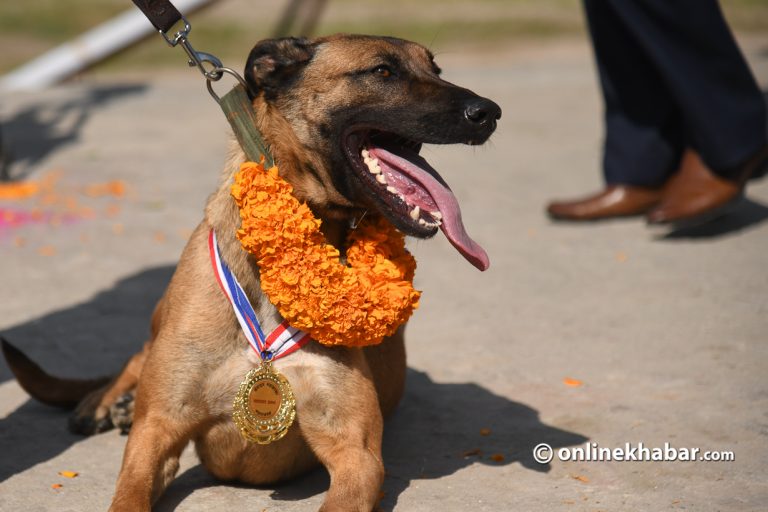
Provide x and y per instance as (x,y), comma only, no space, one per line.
(236,104)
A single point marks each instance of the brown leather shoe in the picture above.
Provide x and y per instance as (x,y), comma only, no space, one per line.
(614,201)
(696,194)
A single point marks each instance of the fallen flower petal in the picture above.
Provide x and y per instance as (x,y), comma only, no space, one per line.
(21,190)
(47,250)
(574,383)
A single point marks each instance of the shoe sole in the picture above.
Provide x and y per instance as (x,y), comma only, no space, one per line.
(702,218)
(586,220)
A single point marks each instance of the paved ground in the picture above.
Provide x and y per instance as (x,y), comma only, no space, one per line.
(667,334)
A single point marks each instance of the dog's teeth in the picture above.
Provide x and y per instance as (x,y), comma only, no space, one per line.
(422,222)
(437,215)
(415,213)
(365,153)
(381,179)
(373,165)
(402,197)
(391,190)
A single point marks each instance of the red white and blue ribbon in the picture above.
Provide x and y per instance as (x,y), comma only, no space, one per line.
(284,340)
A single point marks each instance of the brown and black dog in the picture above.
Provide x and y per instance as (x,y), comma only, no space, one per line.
(321,105)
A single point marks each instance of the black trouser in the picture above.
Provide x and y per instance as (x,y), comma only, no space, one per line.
(672,77)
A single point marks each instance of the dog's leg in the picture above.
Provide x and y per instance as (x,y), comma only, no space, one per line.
(165,418)
(150,463)
(343,426)
(98,411)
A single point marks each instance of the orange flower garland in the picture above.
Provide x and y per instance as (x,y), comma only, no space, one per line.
(355,304)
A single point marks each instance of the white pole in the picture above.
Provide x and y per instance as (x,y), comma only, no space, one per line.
(96,44)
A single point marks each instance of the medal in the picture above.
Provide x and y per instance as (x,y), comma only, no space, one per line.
(264,407)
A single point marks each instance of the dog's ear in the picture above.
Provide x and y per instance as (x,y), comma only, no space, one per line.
(274,64)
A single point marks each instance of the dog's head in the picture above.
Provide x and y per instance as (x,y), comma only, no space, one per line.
(349,114)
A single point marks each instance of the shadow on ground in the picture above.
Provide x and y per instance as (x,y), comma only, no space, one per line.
(37,130)
(744,215)
(434,433)
(89,339)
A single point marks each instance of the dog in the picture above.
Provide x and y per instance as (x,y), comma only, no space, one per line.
(319,103)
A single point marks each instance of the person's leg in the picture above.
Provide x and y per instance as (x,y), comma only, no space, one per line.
(693,50)
(643,138)
(721,107)
(705,85)
(643,133)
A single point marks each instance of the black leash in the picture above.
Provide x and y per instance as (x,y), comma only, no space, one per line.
(162,14)
(236,104)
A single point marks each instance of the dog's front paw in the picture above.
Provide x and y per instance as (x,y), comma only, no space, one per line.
(121,413)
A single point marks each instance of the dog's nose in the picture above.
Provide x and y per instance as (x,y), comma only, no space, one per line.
(481,111)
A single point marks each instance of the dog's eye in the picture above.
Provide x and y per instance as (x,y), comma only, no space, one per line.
(383,71)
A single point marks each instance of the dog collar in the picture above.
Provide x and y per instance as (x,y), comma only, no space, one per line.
(282,341)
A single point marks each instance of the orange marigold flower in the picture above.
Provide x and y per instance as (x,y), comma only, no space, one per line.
(355,304)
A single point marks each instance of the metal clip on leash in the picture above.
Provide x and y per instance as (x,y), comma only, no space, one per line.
(236,104)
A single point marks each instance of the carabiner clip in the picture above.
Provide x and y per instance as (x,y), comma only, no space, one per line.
(180,35)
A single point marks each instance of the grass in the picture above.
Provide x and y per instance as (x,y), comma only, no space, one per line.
(55,20)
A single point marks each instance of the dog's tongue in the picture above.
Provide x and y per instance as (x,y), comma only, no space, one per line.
(418,171)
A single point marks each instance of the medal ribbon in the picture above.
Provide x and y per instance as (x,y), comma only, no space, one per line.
(284,340)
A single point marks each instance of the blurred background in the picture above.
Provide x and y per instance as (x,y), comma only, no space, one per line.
(31,27)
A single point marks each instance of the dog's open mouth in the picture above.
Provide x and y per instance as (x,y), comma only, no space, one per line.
(409,192)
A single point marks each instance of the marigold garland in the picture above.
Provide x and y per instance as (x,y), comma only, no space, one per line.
(355,304)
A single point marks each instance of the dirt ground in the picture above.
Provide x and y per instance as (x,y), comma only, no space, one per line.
(605,333)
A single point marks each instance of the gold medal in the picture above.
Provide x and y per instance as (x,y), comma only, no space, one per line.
(264,407)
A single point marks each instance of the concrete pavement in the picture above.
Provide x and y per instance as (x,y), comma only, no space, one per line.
(661,338)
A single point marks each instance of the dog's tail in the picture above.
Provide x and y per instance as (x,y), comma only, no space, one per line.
(46,388)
